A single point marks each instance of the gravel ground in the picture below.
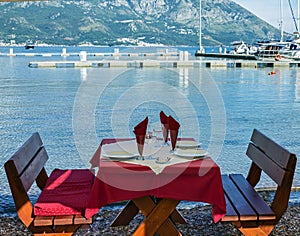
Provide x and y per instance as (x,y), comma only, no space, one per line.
(199,223)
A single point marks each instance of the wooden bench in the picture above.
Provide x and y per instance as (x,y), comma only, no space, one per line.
(22,169)
(246,209)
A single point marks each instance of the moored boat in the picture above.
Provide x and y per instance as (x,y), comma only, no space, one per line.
(29,44)
(227,55)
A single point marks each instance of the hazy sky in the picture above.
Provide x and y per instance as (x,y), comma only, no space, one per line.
(269,10)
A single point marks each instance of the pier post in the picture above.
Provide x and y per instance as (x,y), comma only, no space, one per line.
(11,52)
(180,55)
(83,55)
(186,55)
(64,52)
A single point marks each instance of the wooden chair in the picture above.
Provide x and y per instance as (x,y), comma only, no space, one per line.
(22,169)
(245,207)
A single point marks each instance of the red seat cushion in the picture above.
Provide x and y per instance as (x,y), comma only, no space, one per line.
(66,193)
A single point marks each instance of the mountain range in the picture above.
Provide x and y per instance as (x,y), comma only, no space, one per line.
(130,22)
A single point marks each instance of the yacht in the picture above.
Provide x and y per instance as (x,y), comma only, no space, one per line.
(240,47)
(29,44)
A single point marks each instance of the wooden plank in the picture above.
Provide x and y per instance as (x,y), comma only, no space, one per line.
(281,198)
(279,154)
(240,204)
(22,202)
(26,152)
(259,205)
(43,221)
(274,171)
(42,178)
(32,171)
(63,220)
(65,230)
(231,214)
(81,220)
(254,174)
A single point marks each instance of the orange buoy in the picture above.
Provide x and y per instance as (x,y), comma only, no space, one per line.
(272,73)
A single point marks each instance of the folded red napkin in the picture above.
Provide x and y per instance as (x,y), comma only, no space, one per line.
(163,118)
(173,126)
(141,128)
(165,125)
(140,134)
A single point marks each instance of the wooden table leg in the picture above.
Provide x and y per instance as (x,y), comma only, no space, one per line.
(156,217)
(176,216)
(131,210)
(126,215)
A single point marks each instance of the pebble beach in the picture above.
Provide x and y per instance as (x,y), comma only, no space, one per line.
(199,223)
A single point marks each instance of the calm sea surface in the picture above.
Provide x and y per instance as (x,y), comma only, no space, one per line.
(73,108)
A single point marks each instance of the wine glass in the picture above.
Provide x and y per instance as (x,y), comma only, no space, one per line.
(173,134)
(165,133)
(140,134)
(174,127)
(140,140)
(157,134)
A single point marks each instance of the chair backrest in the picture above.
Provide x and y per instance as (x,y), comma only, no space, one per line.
(277,162)
(22,169)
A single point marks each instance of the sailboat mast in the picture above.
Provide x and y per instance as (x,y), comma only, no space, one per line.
(200,26)
(298,17)
(281,21)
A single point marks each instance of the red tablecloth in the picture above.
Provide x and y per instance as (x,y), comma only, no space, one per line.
(198,180)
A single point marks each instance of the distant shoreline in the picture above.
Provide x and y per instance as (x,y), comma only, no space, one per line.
(106,46)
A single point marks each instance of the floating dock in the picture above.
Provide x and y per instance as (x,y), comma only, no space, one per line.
(164,64)
(152,59)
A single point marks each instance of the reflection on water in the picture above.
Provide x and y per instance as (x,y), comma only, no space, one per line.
(83,74)
(296,75)
(183,77)
(43,100)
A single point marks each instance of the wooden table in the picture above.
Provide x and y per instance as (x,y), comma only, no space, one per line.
(156,196)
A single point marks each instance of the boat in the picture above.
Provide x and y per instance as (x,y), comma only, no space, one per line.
(29,44)
(278,50)
(240,47)
(240,51)
(243,56)
(281,49)
(270,49)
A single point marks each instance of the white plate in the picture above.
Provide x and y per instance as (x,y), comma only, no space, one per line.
(190,152)
(187,144)
(119,155)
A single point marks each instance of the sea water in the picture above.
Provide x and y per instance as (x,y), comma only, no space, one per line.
(73,109)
